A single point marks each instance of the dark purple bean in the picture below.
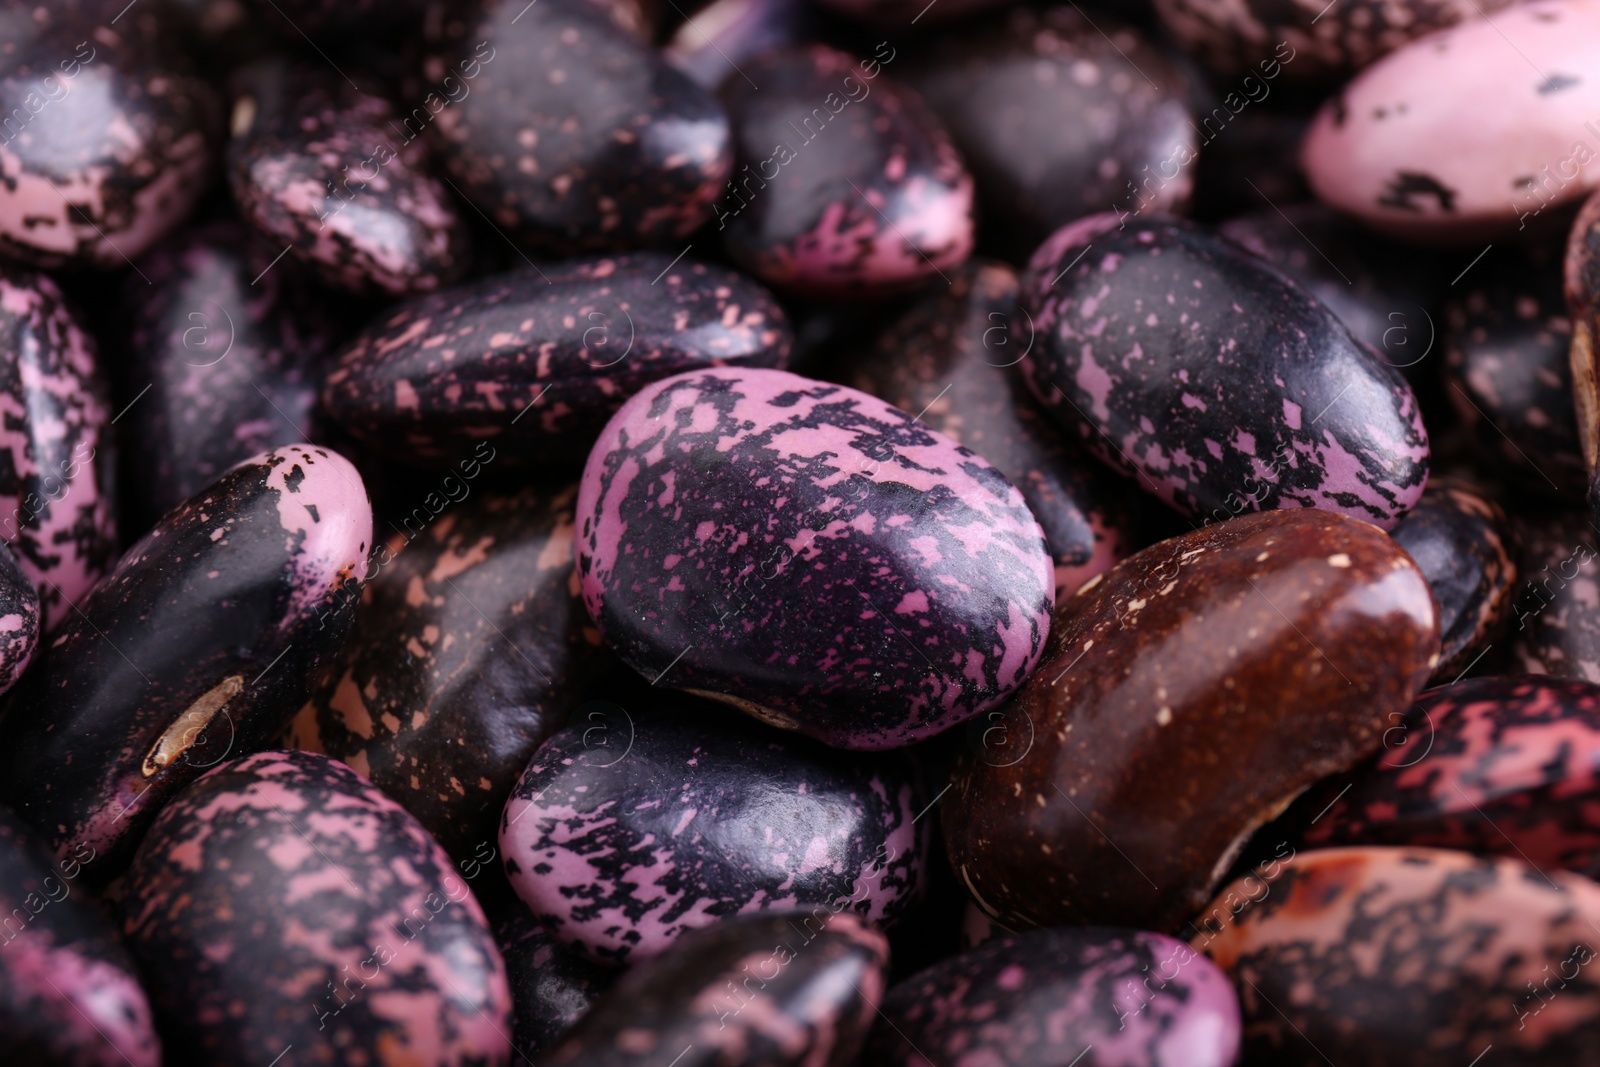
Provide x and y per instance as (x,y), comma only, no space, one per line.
(1383,291)
(1506,341)
(773,990)
(466,652)
(1462,543)
(552,987)
(628,831)
(1002,89)
(231,366)
(201,643)
(569,134)
(846,185)
(281,902)
(1224,386)
(314,169)
(537,360)
(1041,998)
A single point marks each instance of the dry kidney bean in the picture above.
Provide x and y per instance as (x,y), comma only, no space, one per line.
(1075,602)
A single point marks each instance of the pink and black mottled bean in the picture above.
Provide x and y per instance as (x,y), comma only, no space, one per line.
(106,140)
(846,185)
(1462,542)
(55,454)
(19,620)
(1410,957)
(796,989)
(1225,387)
(620,845)
(1555,606)
(1003,89)
(572,135)
(230,366)
(283,902)
(951,358)
(1505,766)
(467,650)
(314,168)
(1383,290)
(69,994)
(552,987)
(1507,373)
(537,360)
(811,555)
(1042,998)
(201,644)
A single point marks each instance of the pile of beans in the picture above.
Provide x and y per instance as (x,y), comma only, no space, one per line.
(799,533)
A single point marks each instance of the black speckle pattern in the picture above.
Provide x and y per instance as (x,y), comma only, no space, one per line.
(1505,766)
(1410,957)
(55,446)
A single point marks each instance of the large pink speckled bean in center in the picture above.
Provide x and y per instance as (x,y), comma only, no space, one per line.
(812,555)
